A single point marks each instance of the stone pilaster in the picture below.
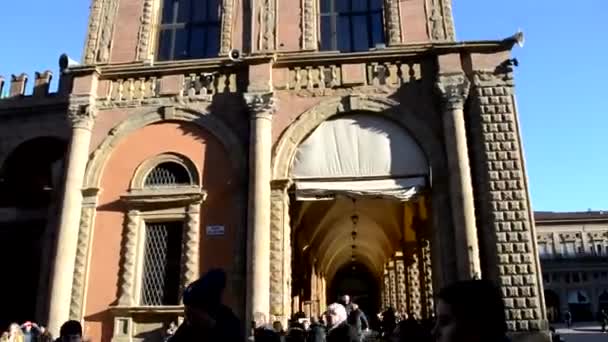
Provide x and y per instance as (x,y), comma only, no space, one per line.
(454,89)
(126,285)
(426,271)
(87,218)
(393,22)
(82,114)
(262,107)
(505,215)
(392,279)
(309,25)
(401,285)
(414,305)
(280,253)
(192,240)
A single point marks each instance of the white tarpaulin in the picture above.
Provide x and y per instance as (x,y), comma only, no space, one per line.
(359,146)
(401,189)
(359,155)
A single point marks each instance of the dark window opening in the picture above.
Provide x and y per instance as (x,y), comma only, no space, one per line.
(351,25)
(168,174)
(162,260)
(189,29)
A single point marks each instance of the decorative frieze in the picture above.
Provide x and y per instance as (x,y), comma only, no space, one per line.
(505,216)
(440,20)
(100,31)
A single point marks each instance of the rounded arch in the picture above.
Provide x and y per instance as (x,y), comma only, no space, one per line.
(31,171)
(204,120)
(145,168)
(305,124)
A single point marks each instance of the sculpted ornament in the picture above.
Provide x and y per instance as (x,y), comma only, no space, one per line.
(453,89)
(261,103)
(82,115)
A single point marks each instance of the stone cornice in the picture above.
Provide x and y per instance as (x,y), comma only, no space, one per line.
(137,198)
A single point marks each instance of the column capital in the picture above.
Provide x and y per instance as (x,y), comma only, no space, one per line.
(82,112)
(453,89)
(280,184)
(261,105)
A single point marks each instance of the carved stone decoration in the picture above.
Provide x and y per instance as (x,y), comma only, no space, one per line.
(392,278)
(506,215)
(280,253)
(426,272)
(401,285)
(79,282)
(413,287)
(81,114)
(448,20)
(267,25)
(261,104)
(93,31)
(129,257)
(453,89)
(145,31)
(309,25)
(227,25)
(386,293)
(105,31)
(191,240)
(393,20)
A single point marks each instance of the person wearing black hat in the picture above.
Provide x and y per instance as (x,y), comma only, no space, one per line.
(205,317)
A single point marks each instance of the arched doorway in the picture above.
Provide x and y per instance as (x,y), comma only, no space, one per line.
(579,305)
(30,183)
(552,303)
(360,198)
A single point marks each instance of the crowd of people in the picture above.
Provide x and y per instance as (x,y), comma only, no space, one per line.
(71,331)
(471,311)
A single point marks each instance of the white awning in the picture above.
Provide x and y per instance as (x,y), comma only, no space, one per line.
(359,146)
(401,189)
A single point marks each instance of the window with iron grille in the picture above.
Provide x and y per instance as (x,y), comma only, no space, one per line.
(351,25)
(189,29)
(162,260)
(168,174)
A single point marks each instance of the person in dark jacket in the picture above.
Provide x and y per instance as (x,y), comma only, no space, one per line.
(70,331)
(338,329)
(471,311)
(316,331)
(357,320)
(205,317)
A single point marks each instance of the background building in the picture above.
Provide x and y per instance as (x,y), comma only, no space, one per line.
(308,149)
(573,249)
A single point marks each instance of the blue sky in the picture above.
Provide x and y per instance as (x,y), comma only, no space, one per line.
(560,81)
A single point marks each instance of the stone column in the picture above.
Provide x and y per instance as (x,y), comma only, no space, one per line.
(454,90)
(392,279)
(401,285)
(192,239)
(82,116)
(260,154)
(414,305)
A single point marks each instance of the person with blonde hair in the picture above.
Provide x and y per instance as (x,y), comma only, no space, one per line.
(14,334)
(338,329)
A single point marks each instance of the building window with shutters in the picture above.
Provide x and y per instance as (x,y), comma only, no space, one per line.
(351,25)
(189,29)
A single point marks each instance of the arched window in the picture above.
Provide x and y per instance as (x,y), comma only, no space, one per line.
(351,25)
(189,29)
(168,174)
